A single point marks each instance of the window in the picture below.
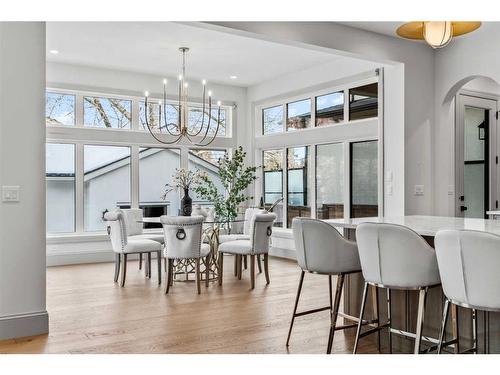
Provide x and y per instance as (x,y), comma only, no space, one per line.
(272,120)
(106,182)
(156,167)
(298,115)
(60,180)
(330,109)
(330,181)
(195,119)
(59,109)
(363,102)
(297,183)
(172,118)
(107,112)
(273,183)
(364,179)
(206,161)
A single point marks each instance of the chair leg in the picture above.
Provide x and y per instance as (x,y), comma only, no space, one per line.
(252,271)
(361,314)
(158,259)
(117,266)
(377,317)
(168,278)
(197,274)
(221,268)
(335,311)
(258,263)
(140,261)
(446,309)
(235,265)
(389,322)
(165,262)
(454,327)
(149,265)
(420,319)
(240,266)
(474,330)
(302,273)
(245,261)
(124,269)
(266,268)
(207,269)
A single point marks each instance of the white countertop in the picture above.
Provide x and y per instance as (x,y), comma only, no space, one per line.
(424,225)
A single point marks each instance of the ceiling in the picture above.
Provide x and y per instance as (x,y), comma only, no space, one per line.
(152,47)
(386,28)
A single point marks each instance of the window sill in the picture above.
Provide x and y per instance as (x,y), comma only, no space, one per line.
(85,237)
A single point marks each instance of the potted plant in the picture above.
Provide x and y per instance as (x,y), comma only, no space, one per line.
(184,179)
(235,178)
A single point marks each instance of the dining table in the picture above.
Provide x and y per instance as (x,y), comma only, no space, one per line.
(404,303)
(212,228)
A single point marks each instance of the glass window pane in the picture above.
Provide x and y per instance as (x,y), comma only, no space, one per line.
(363,102)
(206,161)
(106,182)
(59,109)
(364,179)
(298,182)
(272,120)
(107,112)
(273,183)
(330,181)
(330,108)
(298,115)
(153,118)
(60,179)
(195,119)
(156,168)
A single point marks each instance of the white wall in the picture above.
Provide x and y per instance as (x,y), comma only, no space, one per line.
(411,85)
(22,163)
(467,57)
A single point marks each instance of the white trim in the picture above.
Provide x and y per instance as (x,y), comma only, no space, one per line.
(23,325)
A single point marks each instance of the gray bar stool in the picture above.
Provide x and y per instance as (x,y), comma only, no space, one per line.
(469,264)
(395,257)
(321,249)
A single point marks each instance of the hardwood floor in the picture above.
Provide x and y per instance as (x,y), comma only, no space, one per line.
(89,313)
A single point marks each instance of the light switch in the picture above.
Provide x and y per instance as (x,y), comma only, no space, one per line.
(419,189)
(10,193)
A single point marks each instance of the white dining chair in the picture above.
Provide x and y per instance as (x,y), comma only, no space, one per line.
(183,240)
(261,228)
(123,245)
(135,229)
(469,264)
(322,250)
(395,257)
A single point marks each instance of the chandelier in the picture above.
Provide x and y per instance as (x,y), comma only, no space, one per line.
(180,128)
(436,33)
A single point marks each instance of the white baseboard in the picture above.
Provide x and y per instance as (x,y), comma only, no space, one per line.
(23,325)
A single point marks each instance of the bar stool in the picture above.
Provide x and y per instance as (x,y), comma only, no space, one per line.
(395,257)
(468,263)
(322,250)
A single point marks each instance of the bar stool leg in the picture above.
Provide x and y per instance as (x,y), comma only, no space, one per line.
(361,313)
(302,273)
(474,330)
(420,319)
(456,333)
(376,313)
(389,319)
(335,311)
(443,325)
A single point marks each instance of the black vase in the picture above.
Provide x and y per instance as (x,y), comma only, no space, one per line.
(186,204)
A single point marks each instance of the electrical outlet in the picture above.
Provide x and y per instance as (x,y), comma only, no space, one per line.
(10,193)
(419,189)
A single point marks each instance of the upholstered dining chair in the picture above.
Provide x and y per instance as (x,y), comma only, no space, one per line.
(261,227)
(468,263)
(133,221)
(249,214)
(123,245)
(183,240)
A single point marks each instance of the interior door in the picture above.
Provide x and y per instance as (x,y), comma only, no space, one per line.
(476,156)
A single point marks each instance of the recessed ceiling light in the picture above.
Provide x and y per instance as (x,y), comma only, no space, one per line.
(233,77)
(54,51)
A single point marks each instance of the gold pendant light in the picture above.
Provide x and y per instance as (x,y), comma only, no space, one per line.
(436,33)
